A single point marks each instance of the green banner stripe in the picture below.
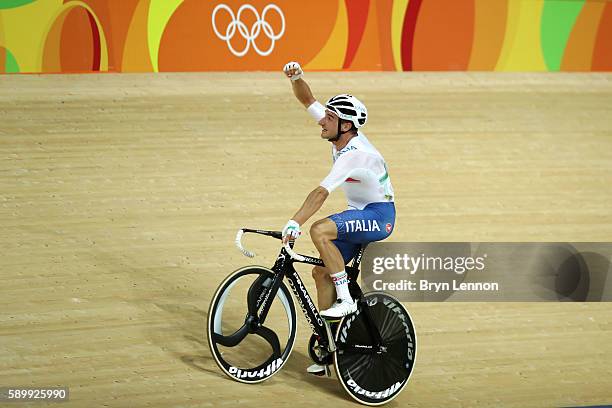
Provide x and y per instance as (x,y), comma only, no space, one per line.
(7,4)
(10,63)
(558,19)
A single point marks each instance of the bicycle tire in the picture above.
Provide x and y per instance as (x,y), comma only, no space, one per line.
(260,276)
(376,378)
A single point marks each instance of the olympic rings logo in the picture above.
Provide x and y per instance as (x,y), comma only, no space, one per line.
(249,35)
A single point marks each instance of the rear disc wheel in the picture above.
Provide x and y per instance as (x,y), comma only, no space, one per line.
(370,375)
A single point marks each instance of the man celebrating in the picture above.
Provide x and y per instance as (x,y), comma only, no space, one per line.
(361,171)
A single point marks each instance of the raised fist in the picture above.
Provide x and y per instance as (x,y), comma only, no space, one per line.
(293,70)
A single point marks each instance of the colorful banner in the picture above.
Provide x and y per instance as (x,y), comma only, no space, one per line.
(260,35)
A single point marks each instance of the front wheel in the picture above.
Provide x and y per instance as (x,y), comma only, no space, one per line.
(246,350)
(372,374)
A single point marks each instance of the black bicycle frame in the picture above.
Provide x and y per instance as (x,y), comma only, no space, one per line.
(283,268)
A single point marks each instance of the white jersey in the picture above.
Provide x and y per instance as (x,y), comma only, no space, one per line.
(360,169)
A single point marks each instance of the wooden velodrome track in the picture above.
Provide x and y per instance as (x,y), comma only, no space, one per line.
(121,195)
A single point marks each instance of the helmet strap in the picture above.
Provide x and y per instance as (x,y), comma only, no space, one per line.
(340,132)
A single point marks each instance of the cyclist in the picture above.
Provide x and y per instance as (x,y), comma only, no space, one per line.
(361,171)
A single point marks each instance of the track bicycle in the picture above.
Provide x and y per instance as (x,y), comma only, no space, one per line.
(251,337)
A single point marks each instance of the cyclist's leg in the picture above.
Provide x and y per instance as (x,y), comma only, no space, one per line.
(339,236)
(356,227)
(322,233)
(326,292)
(336,253)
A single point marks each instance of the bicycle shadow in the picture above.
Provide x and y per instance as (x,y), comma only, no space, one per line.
(293,375)
(183,336)
(296,369)
(202,363)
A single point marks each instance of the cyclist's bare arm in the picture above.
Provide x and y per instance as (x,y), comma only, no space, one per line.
(301,90)
(311,205)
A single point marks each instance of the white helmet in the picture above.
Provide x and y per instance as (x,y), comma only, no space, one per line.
(349,108)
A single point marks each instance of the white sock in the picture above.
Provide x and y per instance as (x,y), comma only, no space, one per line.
(340,280)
